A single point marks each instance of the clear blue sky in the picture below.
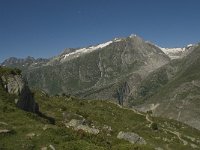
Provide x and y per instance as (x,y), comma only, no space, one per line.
(43,28)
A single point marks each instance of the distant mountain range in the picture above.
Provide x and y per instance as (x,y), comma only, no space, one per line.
(23,63)
(176,53)
(129,71)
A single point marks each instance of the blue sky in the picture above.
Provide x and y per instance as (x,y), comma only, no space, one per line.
(43,28)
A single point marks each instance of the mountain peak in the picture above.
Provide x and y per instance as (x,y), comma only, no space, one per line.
(117,39)
(189,45)
(133,35)
(29,58)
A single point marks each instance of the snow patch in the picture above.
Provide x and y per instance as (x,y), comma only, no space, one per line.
(132,35)
(117,40)
(173,53)
(176,53)
(189,45)
(80,51)
(89,49)
(172,50)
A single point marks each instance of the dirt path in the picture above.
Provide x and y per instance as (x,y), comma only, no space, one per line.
(132,109)
(149,120)
(176,134)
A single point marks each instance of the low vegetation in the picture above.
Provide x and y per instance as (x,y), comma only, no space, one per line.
(7,71)
(28,131)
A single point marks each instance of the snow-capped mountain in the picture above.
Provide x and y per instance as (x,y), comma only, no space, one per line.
(176,53)
(72,53)
(24,62)
(78,70)
(173,53)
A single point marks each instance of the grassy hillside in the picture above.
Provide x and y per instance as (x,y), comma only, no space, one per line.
(28,131)
(7,71)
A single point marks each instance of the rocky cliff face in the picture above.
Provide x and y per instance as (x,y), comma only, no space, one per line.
(13,83)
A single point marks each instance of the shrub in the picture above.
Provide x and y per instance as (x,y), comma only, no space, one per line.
(81,103)
(63,108)
(154,126)
(84,114)
(150,112)
(7,71)
(81,133)
(7,109)
(56,95)
(63,95)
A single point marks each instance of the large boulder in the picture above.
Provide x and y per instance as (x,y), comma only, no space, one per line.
(15,84)
(131,137)
(80,125)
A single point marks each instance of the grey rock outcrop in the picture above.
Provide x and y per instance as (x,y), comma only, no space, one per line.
(15,84)
(131,137)
(79,125)
(4,131)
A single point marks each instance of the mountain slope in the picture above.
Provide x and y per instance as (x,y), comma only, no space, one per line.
(84,72)
(173,90)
